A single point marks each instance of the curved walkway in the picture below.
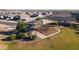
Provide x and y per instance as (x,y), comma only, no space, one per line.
(42,36)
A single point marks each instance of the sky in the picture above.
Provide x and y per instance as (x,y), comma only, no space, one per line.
(39,4)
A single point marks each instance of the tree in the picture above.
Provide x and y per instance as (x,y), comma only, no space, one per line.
(21,35)
(22,26)
(17,17)
(12,36)
(59,23)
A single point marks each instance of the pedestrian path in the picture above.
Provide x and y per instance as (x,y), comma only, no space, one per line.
(42,36)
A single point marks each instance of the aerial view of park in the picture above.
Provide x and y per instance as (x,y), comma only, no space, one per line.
(39,29)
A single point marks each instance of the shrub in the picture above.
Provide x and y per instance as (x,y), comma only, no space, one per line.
(12,36)
(73,26)
(38,19)
(23,19)
(77,29)
(31,37)
(21,35)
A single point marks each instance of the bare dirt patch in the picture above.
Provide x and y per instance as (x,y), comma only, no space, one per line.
(46,30)
(5,28)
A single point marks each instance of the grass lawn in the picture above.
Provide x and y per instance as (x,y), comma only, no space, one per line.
(67,39)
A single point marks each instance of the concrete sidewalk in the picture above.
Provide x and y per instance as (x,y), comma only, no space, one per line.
(42,36)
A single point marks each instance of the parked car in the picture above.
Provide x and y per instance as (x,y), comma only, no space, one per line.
(34,15)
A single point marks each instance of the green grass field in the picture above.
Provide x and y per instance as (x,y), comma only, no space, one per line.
(67,39)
